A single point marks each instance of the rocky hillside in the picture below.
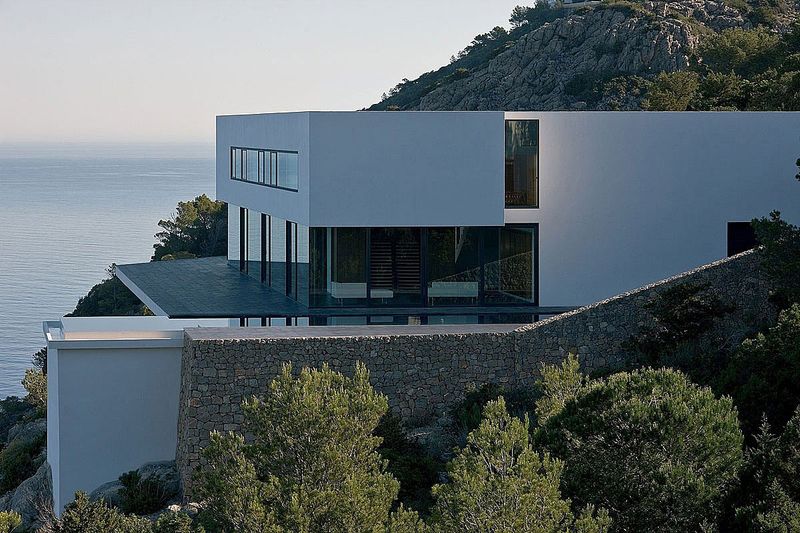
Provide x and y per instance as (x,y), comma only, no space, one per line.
(594,57)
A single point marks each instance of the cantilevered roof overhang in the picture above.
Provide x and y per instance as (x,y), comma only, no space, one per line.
(204,288)
(211,288)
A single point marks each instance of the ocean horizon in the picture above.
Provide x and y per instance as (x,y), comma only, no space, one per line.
(70,210)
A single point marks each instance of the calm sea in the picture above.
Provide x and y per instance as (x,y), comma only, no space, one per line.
(66,213)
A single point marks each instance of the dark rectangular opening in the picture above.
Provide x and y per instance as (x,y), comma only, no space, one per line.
(741,237)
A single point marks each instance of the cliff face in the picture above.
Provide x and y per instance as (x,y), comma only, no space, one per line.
(560,65)
(554,66)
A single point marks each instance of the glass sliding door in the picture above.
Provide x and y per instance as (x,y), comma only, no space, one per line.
(395,266)
(454,268)
(338,274)
(510,265)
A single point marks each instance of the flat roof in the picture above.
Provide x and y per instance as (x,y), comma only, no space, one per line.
(210,287)
(204,287)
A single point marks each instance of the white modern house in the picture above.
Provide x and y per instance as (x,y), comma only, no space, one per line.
(452,217)
(413,218)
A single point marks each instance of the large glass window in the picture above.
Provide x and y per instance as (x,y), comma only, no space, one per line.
(233,234)
(277,270)
(339,266)
(395,266)
(522,163)
(254,244)
(510,265)
(453,266)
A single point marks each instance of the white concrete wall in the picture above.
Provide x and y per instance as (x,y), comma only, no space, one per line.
(626,198)
(407,169)
(277,131)
(630,198)
(374,168)
(113,388)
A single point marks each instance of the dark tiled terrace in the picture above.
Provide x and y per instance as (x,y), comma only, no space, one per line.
(210,288)
(205,287)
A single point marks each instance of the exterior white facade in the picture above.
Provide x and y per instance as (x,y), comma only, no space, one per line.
(112,387)
(360,169)
(625,198)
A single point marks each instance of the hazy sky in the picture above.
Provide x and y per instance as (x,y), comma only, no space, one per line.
(141,70)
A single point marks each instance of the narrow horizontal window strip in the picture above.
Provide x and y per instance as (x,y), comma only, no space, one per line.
(278,169)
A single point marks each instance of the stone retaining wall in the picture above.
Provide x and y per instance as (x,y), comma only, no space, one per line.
(423,371)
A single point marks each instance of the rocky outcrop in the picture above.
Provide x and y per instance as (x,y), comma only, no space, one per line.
(557,66)
(34,495)
(28,431)
(164,471)
(31,498)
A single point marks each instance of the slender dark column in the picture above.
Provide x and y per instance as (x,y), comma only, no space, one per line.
(288,287)
(263,248)
(243,239)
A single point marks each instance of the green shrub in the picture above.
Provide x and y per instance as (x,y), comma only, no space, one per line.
(408,462)
(764,373)
(9,521)
(467,413)
(35,383)
(311,464)
(672,91)
(19,461)
(741,51)
(657,451)
(780,256)
(12,411)
(142,496)
(559,386)
(499,483)
(170,522)
(84,516)
(683,316)
(769,492)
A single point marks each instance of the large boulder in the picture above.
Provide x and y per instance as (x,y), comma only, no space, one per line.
(28,431)
(32,497)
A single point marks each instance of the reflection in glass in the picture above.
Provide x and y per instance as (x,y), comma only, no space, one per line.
(395,266)
(339,266)
(251,158)
(287,170)
(233,235)
(509,269)
(453,266)
(254,244)
(522,163)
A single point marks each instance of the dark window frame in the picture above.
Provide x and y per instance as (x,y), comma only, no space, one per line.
(538,165)
(424,274)
(261,173)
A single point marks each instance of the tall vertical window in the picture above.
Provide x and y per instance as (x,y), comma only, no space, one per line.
(254,244)
(338,266)
(522,163)
(510,265)
(395,266)
(453,265)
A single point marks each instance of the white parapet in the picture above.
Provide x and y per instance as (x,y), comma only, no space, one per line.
(113,386)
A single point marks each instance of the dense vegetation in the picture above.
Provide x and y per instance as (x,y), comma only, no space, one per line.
(754,69)
(197,229)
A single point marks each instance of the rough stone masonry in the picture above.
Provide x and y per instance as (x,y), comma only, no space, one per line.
(425,369)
